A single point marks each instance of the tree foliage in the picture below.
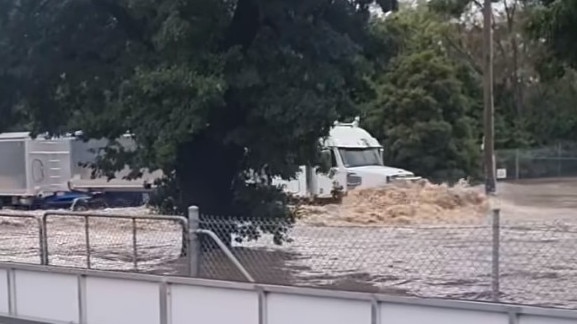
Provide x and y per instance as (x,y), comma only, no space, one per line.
(208,88)
(555,23)
(529,81)
(424,106)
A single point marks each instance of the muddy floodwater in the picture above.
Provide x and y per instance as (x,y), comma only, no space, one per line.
(538,259)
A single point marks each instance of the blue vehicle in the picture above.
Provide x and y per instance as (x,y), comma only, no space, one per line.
(63,200)
(78,200)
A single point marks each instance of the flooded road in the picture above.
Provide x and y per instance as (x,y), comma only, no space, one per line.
(537,251)
(110,243)
(541,193)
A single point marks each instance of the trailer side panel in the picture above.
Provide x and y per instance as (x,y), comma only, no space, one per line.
(13,168)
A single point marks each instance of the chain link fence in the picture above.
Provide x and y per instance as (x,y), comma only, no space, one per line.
(552,161)
(537,261)
(514,262)
(428,261)
(114,242)
(19,238)
(142,243)
(506,261)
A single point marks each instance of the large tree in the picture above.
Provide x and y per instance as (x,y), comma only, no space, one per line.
(209,88)
(555,24)
(426,98)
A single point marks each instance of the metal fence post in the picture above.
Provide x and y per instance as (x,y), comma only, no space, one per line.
(41,234)
(44,239)
(193,250)
(87,242)
(495,273)
(134,244)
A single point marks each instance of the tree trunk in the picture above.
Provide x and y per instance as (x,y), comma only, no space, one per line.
(517,85)
(205,173)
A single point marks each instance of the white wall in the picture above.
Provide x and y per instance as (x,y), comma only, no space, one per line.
(58,295)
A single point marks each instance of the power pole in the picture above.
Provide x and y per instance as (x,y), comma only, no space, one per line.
(489,109)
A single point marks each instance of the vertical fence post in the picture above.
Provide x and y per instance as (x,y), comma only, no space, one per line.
(495,273)
(44,239)
(134,244)
(41,234)
(193,250)
(87,242)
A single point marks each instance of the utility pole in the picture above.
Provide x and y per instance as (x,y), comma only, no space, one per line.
(489,109)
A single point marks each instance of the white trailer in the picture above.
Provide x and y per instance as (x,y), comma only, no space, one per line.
(81,177)
(35,168)
(31,167)
(356,162)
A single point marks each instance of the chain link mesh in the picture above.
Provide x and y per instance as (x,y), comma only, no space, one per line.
(537,264)
(549,161)
(19,241)
(426,261)
(108,243)
(536,259)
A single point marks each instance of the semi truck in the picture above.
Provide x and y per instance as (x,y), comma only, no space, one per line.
(355,160)
(49,172)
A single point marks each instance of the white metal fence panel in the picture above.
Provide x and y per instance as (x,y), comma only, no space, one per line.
(290,309)
(73,296)
(4,303)
(116,301)
(414,314)
(46,295)
(215,305)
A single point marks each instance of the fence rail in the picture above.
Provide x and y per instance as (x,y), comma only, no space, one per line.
(490,260)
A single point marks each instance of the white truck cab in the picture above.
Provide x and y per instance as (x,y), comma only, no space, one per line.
(356,162)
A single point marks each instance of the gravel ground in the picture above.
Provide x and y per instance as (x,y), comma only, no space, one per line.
(537,255)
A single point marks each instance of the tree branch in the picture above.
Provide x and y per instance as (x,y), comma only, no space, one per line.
(132,27)
(464,55)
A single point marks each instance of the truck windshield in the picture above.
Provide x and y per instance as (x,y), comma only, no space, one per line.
(353,157)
